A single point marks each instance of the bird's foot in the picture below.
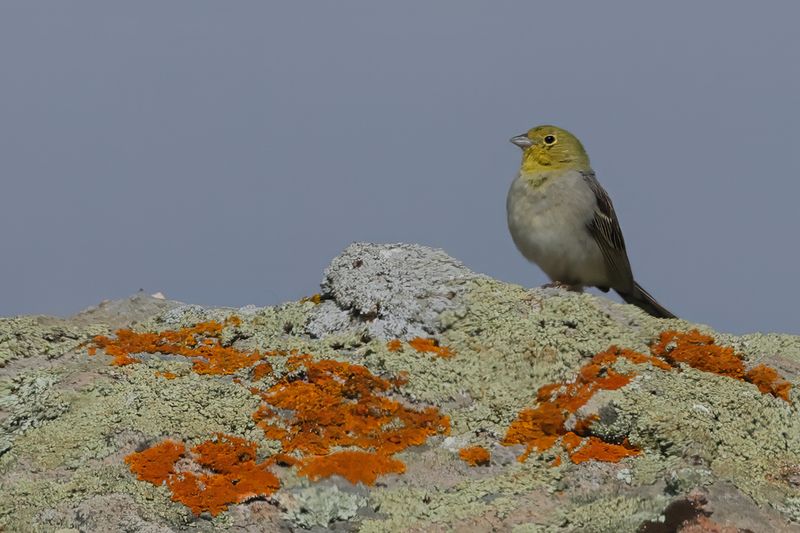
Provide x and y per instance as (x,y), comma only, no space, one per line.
(564,286)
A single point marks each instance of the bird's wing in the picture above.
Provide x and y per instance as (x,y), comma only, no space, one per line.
(605,229)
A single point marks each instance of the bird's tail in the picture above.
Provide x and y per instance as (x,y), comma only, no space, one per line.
(642,299)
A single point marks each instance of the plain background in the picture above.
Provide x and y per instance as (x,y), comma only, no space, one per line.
(224,152)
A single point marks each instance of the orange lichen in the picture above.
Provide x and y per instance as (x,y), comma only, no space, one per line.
(400,379)
(157,463)
(314,299)
(331,418)
(769,382)
(699,351)
(235,476)
(167,375)
(283,459)
(424,345)
(202,342)
(394,345)
(230,473)
(540,427)
(600,450)
(331,405)
(640,358)
(570,441)
(261,370)
(475,455)
(355,466)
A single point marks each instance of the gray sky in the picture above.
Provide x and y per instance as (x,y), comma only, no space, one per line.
(224,152)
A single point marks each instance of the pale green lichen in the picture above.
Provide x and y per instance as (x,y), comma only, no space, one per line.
(320,505)
(728,426)
(28,401)
(410,507)
(26,336)
(651,468)
(191,407)
(49,500)
(530,528)
(757,346)
(619,514)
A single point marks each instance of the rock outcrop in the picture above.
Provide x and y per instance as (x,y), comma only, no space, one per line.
(411,394)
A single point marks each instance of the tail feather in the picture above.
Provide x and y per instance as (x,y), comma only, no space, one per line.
(642,299)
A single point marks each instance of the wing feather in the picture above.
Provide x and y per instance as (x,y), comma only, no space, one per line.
(605,229)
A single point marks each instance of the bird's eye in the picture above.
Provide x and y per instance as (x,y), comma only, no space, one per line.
(549,139)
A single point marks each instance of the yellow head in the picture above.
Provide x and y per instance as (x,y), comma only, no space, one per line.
(549,148)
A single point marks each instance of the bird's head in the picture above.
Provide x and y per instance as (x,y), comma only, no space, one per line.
(550,148)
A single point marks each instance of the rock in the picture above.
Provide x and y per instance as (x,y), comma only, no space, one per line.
(395,291)
(359,402)
(124,312)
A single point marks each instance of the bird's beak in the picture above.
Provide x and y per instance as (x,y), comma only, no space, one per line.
(522,141)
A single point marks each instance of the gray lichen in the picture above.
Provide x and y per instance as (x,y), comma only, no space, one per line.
(396,290)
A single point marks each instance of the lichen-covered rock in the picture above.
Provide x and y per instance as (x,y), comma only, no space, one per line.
(30,336)
(411,394)
(396,290)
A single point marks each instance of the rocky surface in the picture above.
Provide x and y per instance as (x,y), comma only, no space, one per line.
(638,440)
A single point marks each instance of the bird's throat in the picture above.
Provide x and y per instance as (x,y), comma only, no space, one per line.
(538,161)
(536,179)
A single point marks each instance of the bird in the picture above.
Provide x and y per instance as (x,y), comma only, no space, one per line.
(561,219)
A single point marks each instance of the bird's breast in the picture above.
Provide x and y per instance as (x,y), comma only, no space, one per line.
(548,225)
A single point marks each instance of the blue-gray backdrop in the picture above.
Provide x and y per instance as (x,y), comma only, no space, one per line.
(224,152)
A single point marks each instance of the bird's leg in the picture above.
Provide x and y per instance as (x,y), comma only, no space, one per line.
(562,285)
